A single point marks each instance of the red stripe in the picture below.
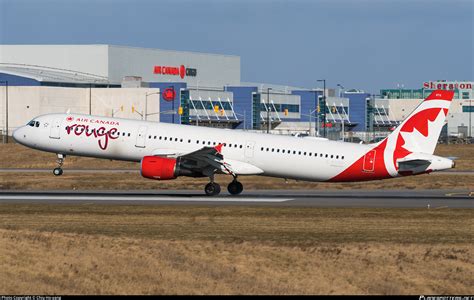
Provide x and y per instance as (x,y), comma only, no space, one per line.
(441,95)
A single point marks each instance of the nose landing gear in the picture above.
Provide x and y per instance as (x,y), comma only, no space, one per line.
(59,171)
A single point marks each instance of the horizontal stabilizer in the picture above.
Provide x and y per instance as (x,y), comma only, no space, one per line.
(413,166)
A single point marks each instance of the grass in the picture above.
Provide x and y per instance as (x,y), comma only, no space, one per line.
(17,156)
(134,249)
(133,181)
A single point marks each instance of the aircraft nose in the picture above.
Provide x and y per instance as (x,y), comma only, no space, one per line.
(18,135)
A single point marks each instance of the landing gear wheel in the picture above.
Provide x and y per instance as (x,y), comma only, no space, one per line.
(235,187)
(58,171)
(212,189)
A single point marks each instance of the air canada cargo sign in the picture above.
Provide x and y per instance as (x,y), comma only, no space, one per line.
(444,85)
(180,71)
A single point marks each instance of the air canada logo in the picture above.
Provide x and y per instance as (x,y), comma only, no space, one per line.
(180,71)
(169,94)
(70,118)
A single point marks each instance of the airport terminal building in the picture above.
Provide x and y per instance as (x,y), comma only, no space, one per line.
(198,89)
(159,85)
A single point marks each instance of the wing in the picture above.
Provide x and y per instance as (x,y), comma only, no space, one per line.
(209,160)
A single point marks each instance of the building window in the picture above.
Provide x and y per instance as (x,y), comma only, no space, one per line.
(468,109)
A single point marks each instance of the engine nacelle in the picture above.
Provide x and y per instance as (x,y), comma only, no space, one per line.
(158,168)
(162,168)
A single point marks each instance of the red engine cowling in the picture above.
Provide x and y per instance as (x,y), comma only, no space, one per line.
(158,168)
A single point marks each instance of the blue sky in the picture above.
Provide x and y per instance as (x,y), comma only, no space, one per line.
(359,44)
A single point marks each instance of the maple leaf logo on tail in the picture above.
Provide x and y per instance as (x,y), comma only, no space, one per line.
(419,132)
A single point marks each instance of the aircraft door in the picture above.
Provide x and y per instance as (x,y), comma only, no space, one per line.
(249,149)
(369,161)
(141,137)
(55,132)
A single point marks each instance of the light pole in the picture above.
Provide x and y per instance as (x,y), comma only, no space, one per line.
(324,104)
(6,109)
(268,110)
(341,88)
(90,98)
(146,102)
(470,113)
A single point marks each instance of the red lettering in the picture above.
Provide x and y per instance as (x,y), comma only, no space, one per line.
(100,133)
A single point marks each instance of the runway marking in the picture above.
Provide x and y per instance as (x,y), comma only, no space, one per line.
(147,198)
(469,194)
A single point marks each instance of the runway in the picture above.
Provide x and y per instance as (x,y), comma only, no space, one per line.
(433,199)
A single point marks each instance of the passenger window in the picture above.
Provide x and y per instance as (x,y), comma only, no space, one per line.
(278,150)
(283,151)
(154,137)
(261,149)
(326,156)
(189,141)
(175,139)
(310,154)
(337,156)
(180,140)
(299,152)
(240,146)
(166,138)
(342,157)
(267,149)
(128,134)
(149,137)
(304,153)
(332,156)
(273,150)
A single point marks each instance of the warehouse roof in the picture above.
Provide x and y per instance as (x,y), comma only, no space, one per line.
(47,74)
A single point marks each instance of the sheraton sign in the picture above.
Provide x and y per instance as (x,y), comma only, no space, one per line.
(444,85)
(180,71)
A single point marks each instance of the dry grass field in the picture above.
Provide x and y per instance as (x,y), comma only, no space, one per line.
(118,249)
(17,156)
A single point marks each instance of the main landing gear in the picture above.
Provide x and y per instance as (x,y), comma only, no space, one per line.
(235,187)
(58,171)
(213,188)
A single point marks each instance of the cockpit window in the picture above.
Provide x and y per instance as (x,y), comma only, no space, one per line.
(33,123)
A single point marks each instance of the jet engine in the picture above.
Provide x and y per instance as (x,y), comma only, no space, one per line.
(162,168)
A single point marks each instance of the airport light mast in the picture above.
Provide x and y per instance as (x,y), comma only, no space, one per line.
(324,105)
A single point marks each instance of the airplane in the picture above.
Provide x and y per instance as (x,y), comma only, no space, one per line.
(167,151)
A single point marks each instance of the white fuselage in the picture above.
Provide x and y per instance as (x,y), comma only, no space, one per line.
(311,159)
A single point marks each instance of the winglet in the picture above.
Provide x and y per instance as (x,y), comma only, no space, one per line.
(219,148)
